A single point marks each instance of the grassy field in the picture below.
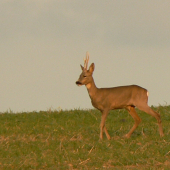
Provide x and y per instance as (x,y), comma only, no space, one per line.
(70,140)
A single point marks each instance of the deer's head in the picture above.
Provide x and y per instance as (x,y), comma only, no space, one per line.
(86,75)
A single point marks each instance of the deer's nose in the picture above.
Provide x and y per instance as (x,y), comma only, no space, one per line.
(78,83)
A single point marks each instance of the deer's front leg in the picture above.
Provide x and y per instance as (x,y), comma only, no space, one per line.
(102,125)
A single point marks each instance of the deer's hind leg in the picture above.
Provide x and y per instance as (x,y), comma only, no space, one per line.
(151,112)
(137,119)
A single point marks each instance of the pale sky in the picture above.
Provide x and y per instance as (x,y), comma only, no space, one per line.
(43,43)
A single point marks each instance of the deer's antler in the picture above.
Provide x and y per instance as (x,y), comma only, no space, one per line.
(86,60)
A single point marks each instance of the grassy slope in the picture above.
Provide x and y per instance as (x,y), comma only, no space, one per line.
(70,140)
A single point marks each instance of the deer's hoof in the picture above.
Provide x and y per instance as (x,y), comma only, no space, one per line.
(108,137)
(161,135)
(100,139)
(127,136)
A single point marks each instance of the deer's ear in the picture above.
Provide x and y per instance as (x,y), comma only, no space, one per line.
(82,67)
(91,68)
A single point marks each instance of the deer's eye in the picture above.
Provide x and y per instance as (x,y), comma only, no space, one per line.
(84,76)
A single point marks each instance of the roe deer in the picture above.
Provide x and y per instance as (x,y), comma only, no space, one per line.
(122,97)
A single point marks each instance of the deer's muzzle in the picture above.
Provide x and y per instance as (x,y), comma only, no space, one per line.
(79,83)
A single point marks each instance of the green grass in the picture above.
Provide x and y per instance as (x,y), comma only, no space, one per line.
(70,140)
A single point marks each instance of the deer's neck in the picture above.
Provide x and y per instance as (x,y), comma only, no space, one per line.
(92,89)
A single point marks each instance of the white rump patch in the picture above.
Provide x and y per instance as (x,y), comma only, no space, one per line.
(147,93)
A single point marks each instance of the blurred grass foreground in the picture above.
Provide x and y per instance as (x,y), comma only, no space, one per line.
(70,140)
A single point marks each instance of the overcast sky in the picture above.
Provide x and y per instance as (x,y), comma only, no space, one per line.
(43,43)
